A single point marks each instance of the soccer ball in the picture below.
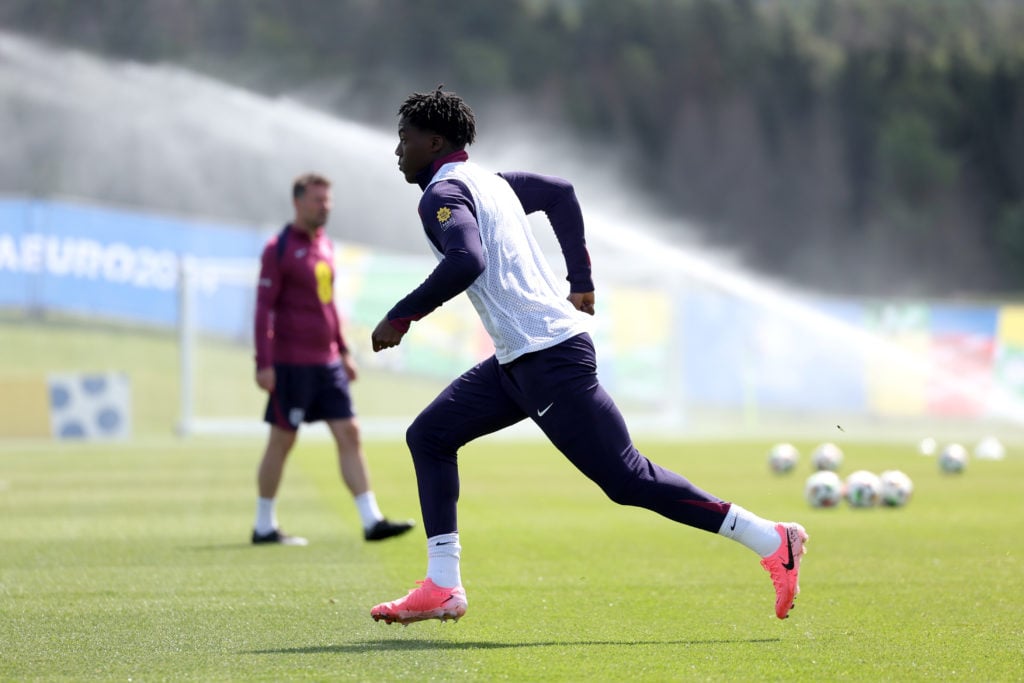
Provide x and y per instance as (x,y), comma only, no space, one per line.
(824,489)
(862,489)
(896,488)
(953,458)
(990,448)
(827,456)
(782,458)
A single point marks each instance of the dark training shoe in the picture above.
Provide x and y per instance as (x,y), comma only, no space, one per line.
(279,537)
(386,529)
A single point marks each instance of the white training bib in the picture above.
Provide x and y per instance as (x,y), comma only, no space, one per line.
(521,302)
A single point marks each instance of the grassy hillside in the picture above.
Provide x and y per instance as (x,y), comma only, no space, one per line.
(224,385)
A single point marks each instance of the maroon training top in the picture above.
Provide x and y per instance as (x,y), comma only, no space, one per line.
(296,319)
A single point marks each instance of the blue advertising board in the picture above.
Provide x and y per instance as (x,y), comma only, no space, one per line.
(97,261)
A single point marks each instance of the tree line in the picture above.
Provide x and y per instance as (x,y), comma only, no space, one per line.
(865,147)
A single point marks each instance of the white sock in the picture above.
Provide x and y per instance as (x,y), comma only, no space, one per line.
(752,531)
(266,516)
(366,503)
(443,553)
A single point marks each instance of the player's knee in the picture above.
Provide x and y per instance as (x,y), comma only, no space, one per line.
(350,430)
(426,439)
(617,493)
(280,442)
(346,434)
(622,489)
(418,437)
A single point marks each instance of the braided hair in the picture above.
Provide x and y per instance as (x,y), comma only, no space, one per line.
(444,113)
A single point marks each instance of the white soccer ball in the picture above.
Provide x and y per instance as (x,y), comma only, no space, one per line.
(953,458)
(862,489)
(896,488)
(782,458)
(827,456)
(927,446)
(990,448)
(824,489)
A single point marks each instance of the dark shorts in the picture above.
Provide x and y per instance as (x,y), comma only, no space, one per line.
(308,393)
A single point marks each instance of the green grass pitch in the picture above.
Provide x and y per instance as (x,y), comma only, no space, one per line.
(131,562)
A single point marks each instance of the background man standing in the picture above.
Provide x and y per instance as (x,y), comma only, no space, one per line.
(302,361)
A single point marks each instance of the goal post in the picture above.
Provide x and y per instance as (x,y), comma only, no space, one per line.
(216,302)
(680,356)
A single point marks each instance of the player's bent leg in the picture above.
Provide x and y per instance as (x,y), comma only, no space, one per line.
(596,441)
(428,601)
(471,406)
(559,389)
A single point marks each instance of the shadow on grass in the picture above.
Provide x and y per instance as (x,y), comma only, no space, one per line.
(415,645)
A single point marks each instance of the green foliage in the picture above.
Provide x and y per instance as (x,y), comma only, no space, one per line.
(812,122)
(913,166)
(1009,236)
